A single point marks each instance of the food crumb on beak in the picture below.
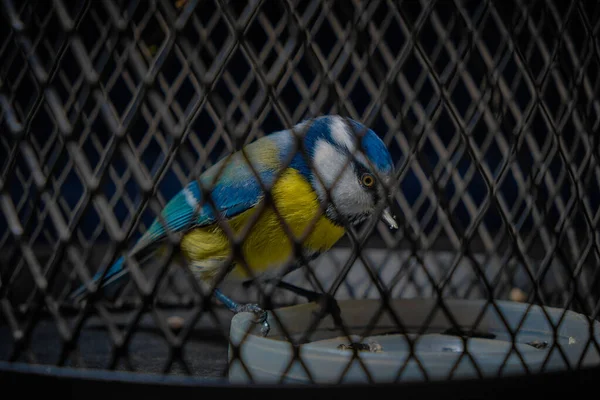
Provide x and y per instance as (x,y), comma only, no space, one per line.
(387,216)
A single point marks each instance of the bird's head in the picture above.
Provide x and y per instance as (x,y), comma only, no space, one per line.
(352,164)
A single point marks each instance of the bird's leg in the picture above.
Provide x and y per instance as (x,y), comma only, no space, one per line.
(326,301)
(238,308)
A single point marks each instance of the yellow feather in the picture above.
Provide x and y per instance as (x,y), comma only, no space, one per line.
(266,244)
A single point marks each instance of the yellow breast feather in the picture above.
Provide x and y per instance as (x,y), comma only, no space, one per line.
(266,244)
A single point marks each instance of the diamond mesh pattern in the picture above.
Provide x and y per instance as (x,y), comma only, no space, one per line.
(108,108)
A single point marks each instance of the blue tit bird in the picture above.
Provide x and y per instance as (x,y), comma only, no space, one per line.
(339,175)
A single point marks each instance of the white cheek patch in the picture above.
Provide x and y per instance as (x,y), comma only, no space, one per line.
(346,192)
(348,195)
(328,163)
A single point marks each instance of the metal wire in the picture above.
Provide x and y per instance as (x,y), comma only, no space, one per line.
(108,109)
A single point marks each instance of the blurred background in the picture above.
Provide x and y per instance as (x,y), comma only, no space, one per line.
(489,108)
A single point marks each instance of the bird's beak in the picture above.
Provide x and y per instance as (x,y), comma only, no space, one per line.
(387,217)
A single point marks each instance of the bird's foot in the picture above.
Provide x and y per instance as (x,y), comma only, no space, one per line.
(261,315)
(253,308)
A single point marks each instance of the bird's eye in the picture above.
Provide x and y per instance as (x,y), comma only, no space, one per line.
(367,180)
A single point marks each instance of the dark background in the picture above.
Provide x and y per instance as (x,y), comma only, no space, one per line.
(42,25)
(81,103)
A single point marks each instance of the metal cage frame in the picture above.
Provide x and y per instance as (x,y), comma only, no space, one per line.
(108,108)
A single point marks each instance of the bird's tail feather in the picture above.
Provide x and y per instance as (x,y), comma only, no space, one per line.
(117,275)
(112,281)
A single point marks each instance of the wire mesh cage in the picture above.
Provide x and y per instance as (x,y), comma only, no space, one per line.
(118,119)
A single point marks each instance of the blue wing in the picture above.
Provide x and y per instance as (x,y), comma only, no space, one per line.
(233,185)
(234,188)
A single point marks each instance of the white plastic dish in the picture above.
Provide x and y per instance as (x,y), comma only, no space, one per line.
(437,351)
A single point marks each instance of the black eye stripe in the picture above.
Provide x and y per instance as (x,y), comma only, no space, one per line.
(361,172)
(360,169)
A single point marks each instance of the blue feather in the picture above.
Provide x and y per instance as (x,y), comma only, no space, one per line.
(374,148)
(234,188)
(112,276)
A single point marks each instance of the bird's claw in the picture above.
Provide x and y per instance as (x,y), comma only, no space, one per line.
(261,314)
